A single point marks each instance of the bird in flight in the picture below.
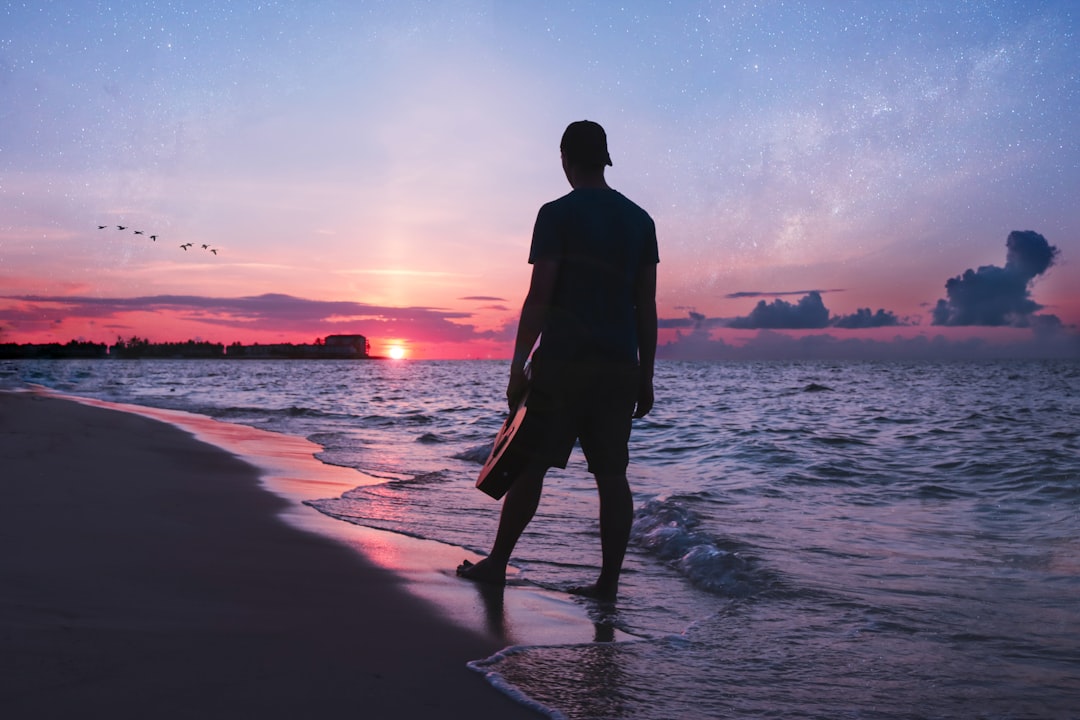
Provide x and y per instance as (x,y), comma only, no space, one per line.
(185,246)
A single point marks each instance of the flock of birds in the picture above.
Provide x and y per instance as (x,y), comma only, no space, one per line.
(185,246)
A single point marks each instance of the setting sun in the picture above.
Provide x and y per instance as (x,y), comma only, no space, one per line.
(397,352)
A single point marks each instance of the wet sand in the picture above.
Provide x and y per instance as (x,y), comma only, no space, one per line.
(144,573)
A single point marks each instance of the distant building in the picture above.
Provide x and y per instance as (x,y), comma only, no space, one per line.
(358,343)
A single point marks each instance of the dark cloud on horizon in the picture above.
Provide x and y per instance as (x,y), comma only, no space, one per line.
(693,321)
(807,314)
(776,293)
(995,296)
(269,312)
(769,345)
(864,318)
(498,304)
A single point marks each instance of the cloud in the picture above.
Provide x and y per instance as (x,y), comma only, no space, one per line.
(864,318)
(693,321)
(775,293)
(809,313)
(995,296)
(269,312)
(496,304)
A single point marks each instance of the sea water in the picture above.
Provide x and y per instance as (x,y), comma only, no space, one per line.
(812,539)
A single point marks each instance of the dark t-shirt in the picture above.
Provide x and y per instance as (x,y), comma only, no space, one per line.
(602,240)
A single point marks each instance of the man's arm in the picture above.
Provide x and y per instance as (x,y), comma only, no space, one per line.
(645,309)
(534,314)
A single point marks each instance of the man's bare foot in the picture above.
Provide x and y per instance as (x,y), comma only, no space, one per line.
(596,591)
(485,571)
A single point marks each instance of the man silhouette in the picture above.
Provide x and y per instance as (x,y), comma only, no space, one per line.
(592,305)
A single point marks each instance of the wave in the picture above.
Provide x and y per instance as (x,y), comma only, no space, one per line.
(489,668)
(839,440)
(245,411)
(671,531)
(435,477)
(478,454)
(934,491)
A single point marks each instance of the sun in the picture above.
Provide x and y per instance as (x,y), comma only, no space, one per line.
(397,352)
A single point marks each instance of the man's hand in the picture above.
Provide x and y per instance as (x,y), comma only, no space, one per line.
(516,388)
(644,398)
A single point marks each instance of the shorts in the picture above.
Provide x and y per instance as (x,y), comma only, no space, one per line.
(588,402)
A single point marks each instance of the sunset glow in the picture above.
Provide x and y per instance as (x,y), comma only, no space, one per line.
(817,173)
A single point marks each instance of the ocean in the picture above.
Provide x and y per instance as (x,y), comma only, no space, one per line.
(812,539)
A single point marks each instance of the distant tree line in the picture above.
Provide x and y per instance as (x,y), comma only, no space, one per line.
(53,351)
(137,347)
(333,347)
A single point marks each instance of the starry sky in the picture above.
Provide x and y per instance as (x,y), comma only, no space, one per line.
(829,179)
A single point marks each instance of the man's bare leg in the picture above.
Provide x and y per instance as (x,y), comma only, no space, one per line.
(518,509)
(616,519)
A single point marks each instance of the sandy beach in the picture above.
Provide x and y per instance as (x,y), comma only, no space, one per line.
(147,574)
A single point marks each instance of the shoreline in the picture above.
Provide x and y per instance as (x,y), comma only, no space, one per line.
(162,564)
(521,615)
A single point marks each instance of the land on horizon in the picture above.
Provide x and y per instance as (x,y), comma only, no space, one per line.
(332,347)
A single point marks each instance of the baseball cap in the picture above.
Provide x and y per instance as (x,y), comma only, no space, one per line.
(585,142)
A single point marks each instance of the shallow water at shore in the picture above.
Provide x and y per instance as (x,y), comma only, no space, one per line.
(812,539)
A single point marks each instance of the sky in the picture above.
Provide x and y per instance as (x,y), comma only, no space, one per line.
(831,180)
